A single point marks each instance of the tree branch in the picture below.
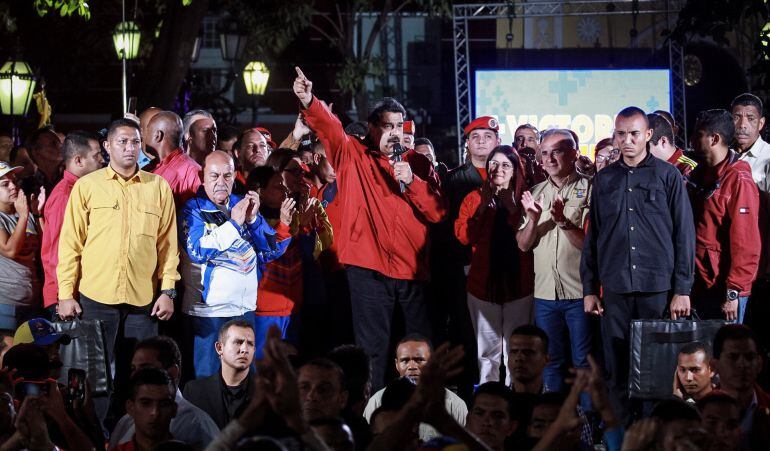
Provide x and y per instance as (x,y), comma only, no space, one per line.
(322,32)
(331,22)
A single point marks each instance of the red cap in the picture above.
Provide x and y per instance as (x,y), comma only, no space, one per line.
(268,136)
(487,122)
(409,127)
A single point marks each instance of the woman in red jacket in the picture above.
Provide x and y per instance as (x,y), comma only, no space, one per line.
(501,278)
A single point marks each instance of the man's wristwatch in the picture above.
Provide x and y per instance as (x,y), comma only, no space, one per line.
(732,295)
(170,293)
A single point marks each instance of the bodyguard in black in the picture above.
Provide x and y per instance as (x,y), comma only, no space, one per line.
(640,245)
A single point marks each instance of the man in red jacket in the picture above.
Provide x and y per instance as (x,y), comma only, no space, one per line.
(725,204)
(386,207)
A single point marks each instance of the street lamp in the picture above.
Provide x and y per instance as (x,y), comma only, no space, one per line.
(17,83)
(232,42)
(255,76)
(126,39)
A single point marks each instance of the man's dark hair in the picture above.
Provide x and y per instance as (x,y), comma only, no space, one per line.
(695,346)
(549,399)
(233,323)
(167,349)
(415,337)
(667,116)
(386,105)
(674,409)
(31,142)
(259,177)
(660,127)
(327,364)
(30,361)
(357,366)
(150,376)
(497,389)
(731,332)
(357,128)
(122,122)
(748,99)
(631,111)
(718,122)
(77,143)
(397,393)
(530,330)
(423,142)
(527,127)
(717,397)
(280,158)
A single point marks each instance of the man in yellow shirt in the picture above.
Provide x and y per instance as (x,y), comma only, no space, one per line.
(118,244)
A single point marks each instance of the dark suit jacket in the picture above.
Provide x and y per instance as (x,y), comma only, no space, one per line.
(209,395)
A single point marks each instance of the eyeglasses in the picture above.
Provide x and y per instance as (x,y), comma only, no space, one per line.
(602,158)
(505,165)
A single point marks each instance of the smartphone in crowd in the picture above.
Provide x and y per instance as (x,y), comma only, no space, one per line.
(76,385)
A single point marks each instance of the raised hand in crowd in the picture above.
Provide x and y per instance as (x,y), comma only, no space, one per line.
(253,208)
(300,128)
(21,204)
(557,209)
(561,434)
(303,88)
(37,202)
(641,435)
(532,208)
(288,210)
(238,213)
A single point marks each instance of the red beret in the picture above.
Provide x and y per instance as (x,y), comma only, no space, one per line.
(268,136)
(487,122)
(409,127)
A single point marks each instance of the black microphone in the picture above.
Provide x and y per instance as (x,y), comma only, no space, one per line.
(398,151)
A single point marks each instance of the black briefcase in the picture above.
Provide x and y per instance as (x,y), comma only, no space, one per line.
(655,345)
(88,352)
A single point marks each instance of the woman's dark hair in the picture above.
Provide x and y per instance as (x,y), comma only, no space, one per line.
(259,177)
(279,158)
(504,252)
(602,144)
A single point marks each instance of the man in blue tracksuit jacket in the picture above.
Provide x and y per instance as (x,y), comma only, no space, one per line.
(225,242)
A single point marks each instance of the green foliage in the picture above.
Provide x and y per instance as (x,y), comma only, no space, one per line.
(65,8)
(354,71)
(272,26)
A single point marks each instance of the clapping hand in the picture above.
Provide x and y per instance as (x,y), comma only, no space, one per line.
(38,202)
(557,209)
(21,204)
(532,208)
(288,210)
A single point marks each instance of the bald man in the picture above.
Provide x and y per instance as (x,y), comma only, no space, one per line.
(163,138)
(145,155)
(225,242)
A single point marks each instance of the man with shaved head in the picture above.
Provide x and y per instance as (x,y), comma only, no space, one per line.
(251,150)
(225,242)
(163,138)
(200,134)
(146,157)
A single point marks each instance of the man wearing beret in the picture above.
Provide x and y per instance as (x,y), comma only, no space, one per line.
(449,257)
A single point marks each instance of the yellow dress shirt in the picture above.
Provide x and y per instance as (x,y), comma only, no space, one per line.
(118,238)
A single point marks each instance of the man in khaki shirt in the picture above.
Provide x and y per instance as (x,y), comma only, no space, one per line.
(556,210)
(118,246)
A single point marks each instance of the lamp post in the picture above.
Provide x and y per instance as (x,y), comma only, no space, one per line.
(17,83)
(232,42)
(255,76)
(126,39)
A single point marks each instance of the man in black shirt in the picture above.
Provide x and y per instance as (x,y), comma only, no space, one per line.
(640,245)
(224,395)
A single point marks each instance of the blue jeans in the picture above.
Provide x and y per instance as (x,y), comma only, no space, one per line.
(556,318)
(743,302)
(262,325)
(205,333)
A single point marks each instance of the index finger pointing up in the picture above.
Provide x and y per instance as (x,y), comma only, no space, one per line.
(299,72)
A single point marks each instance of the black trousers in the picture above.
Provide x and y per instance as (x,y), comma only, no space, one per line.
(373,298)
(619,310)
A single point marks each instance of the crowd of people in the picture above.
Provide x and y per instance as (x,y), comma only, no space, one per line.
(345,290)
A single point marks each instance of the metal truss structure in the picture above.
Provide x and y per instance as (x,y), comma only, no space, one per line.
(464,13)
